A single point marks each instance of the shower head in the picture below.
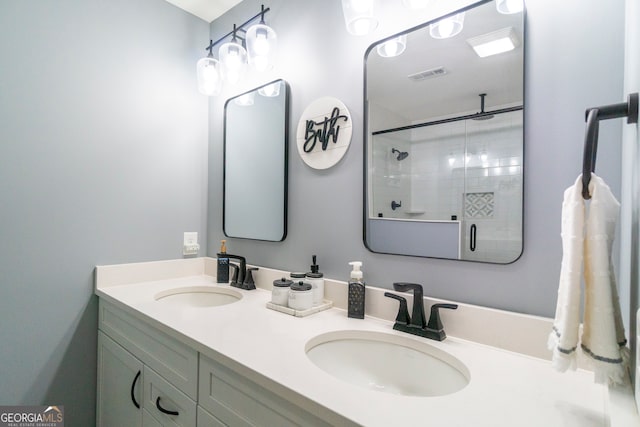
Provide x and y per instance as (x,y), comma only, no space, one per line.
(401,154)
(482,115)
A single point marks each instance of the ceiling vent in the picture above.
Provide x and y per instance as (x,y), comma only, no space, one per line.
(426,74)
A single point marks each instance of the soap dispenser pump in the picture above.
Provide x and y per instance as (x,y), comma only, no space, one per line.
(222,275)
(316,279)
(355,303)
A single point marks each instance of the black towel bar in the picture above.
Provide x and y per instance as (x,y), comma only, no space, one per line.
(593,116)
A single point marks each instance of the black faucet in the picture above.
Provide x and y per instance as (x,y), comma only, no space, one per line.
(242,277)
(416,324)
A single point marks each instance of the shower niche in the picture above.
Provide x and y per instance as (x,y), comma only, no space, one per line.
(444,151)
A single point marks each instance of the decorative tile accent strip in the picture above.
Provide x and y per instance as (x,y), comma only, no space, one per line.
(478,205)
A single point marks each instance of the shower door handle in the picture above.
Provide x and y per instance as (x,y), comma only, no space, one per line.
(472,237)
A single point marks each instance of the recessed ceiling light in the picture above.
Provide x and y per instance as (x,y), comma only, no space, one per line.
(495,42)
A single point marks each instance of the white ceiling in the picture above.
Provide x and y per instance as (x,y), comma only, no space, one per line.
(205,9)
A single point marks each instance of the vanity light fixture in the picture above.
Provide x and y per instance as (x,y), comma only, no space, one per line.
(507,7)
(447,27)
(260,41)
(359,17)
(393,47)
(495,42)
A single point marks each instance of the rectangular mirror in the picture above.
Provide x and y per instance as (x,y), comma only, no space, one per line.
(255,163)
(444,138)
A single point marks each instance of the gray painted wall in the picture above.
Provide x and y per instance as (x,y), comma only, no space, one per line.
(571,64)
(103,142)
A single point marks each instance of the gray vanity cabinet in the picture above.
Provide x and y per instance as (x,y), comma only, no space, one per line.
(140,364)
(145,377)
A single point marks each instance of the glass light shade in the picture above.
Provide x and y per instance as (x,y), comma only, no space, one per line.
(271,90)
(447,27)
(262,42)
(233,58)
(209,76)
(393,47)
(359,17)
(507,7)
(245,100)
(415,4)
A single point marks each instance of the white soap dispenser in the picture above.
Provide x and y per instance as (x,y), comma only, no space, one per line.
(355,303)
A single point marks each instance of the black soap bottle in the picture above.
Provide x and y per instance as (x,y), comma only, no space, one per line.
(222,275)
(355,303)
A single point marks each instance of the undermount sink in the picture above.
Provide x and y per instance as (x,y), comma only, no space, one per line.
(198,296)
(388,363)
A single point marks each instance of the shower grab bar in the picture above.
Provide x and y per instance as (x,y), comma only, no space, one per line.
(593,116)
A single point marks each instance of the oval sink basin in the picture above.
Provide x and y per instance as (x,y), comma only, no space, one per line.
(388,363)
(198,296)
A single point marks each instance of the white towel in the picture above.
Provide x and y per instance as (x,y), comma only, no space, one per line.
(589,239)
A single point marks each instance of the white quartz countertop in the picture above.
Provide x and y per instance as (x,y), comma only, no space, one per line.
(505,388)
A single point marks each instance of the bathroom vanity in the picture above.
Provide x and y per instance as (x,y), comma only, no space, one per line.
(190,352)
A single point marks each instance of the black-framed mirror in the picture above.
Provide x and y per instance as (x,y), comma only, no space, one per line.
(445,139)
(256,163)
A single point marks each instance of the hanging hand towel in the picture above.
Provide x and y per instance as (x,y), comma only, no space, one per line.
(590,239)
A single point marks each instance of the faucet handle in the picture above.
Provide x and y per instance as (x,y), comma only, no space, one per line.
(434,319)
(248,283)
(403,312)
(234,276)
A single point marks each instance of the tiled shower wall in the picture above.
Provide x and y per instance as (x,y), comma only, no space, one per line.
(468,161)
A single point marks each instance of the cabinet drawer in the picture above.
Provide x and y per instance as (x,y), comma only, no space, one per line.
(160,398)
(169,357)
(238,401)
(205,419)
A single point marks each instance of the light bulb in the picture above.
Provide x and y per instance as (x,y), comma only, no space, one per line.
(209,79)
(393,47)
(447,27)
(233,58)
(358,16)
(245,100)
(271,90)
(262,45)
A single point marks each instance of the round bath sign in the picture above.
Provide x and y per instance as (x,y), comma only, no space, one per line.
(324,132)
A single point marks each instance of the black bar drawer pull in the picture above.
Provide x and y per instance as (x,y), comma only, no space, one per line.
(165,411)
